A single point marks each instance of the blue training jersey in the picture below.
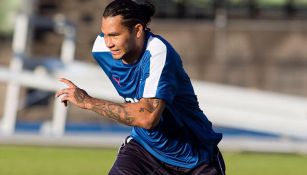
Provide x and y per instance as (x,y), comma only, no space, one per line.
(183,136)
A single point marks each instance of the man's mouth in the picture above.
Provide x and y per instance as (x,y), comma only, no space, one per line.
(115,52)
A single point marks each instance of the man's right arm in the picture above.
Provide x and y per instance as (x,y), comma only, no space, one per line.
(145,113)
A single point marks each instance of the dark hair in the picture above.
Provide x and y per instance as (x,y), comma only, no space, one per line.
(133,12)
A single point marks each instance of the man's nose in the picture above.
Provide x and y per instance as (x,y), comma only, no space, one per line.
(109,42)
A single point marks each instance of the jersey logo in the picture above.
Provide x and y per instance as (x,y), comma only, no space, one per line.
(117,80)
(131,100)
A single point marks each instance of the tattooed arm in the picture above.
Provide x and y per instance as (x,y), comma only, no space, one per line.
(145,113)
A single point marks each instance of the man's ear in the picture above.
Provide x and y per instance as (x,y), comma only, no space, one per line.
(138,30)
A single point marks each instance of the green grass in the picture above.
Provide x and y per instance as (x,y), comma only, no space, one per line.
(265,164)
(55,161)
(71,161)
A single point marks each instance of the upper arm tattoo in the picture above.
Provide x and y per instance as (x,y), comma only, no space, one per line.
(152,105)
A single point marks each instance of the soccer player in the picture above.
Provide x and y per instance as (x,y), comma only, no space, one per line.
(170,133)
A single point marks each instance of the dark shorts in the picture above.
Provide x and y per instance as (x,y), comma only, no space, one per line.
(133,159)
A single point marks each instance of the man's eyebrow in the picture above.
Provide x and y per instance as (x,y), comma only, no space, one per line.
(113,34)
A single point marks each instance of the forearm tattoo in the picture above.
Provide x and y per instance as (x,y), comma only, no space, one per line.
(113,111)
(118,112)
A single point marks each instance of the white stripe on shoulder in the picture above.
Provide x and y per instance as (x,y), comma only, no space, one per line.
(100,45)
(158,51)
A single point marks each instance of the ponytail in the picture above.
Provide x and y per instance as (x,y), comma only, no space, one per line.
(132,11)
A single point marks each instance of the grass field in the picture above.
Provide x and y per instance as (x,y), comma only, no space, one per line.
(68,161)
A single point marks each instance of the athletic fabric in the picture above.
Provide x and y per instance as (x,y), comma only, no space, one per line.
(184,136)
(133,159)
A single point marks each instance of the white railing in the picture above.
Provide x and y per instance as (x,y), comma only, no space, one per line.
(254,110)
(224,105)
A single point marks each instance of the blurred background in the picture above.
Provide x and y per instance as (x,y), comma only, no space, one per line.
(247,60)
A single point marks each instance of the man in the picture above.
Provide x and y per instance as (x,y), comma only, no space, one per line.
(170,134)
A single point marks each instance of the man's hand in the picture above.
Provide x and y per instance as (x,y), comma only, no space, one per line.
(73,94)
